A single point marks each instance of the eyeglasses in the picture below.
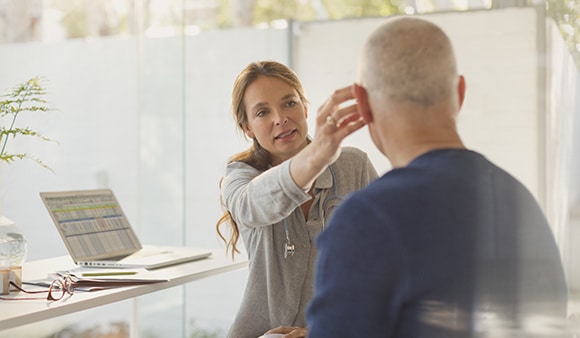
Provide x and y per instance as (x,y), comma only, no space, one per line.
(58,288)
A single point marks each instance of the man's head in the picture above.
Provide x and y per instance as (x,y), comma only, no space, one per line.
(408,75)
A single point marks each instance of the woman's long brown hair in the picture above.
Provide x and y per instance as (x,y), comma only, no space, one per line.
(255,156)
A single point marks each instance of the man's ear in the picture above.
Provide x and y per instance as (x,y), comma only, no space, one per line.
(461,87)
(362,101)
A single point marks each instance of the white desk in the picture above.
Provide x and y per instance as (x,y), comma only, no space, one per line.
(20,312)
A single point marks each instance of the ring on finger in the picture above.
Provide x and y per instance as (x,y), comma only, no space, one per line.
(330,120)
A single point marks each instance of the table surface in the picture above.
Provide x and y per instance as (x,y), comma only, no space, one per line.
(14,313)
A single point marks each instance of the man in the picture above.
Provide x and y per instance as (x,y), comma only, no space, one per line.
(446,244)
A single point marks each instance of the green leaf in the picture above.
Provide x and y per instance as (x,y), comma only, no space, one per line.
(23,98)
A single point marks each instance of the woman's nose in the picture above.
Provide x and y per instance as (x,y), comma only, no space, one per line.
(281,119)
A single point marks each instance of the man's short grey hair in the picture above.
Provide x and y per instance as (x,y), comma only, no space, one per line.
(411,60)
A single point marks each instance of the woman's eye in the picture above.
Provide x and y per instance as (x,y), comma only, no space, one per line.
(261,113)
(291,103)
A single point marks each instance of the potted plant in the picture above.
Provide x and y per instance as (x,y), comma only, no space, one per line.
(27,97)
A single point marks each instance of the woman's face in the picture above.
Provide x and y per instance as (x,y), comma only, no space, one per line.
(276,117)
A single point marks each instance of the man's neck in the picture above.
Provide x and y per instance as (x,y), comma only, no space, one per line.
(417,143)
(409,130)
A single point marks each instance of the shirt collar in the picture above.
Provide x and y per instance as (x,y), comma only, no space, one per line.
(324,181)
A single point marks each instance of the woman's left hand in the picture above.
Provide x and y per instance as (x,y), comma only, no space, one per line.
(290,331)
(337,118)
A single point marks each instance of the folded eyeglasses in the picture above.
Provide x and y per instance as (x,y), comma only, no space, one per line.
(57,289)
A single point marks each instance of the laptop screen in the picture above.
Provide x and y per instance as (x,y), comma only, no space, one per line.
(91,223)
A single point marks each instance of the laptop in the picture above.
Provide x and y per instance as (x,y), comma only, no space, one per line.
(97,234)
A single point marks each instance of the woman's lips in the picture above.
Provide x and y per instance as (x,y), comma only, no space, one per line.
(285,135)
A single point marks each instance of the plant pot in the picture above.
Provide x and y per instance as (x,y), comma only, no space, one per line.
(13,245)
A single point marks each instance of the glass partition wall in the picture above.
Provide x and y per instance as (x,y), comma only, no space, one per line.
(160,133)
(141,106)
(115,74)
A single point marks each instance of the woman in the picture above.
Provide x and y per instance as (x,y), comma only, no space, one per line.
(279,193)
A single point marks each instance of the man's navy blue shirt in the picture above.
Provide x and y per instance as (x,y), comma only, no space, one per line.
(448,246)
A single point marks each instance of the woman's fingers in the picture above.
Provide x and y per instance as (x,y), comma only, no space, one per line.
(347,114)
(337,118)
(344,121)
(330,107)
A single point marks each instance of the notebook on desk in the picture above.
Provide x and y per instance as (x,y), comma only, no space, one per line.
(96,233)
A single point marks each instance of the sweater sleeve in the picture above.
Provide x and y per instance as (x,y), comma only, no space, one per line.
(257,198)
